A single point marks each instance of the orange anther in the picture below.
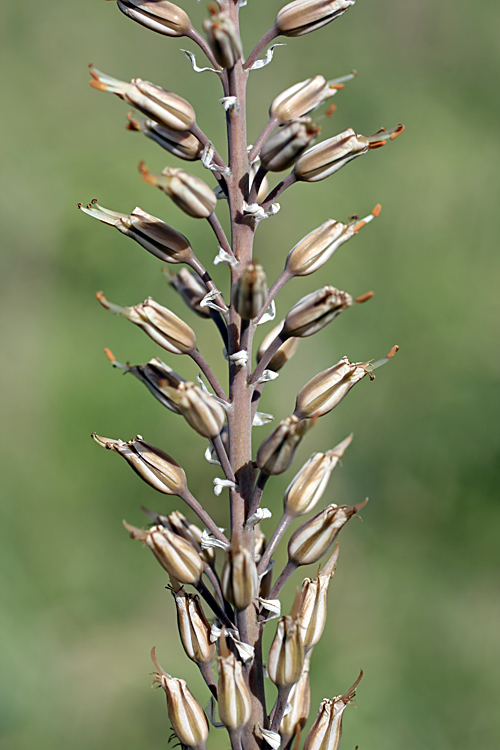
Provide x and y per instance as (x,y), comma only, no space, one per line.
(376,211)
(358,226)
(377,144)
(109,354)
(331,109)
(397,132)
(393,352)
(364,297)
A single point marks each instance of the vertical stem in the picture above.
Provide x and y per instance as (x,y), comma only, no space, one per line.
(206,672)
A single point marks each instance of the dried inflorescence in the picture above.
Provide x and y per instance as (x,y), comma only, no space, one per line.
(237,592)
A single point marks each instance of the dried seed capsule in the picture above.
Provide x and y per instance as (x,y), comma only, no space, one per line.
(192,290)
(313,604)
(185,713)
(192,195)
(327,389)
(162,106)
(180,143)
(223,38)
(155,376)
(194,628)
(179,524)
(158,15)
(250,291)
(302,16)
(300,99)
(277,451)
(200,409)
(300,701)
(313,539)
(307,487)
(282,149)
(328,157)
(286,656)
(326,732)
(239,580)
(162,325)
(284,353)
(233,696)
(314,311)
(153,234)
(153,465)
(177,556)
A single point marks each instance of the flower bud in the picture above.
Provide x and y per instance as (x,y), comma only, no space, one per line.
(153,465)
(185,713)
(284,353)
(314,311)
(179,524)
(328,157)
(223,38)
(239,580)
(200,409)
(282,149)
(162,106)
(250,291)
(313,539)
(326,732)
(177,556)
(307,487)
(277,451)
(299,699)
(302,16)
(323,392)
(286,656)
(192,195)
(194,628)
(192,290)
(153,234)
(158,15)
(313,604)
(162,325)
(180,143)
(233,696)
(302,98)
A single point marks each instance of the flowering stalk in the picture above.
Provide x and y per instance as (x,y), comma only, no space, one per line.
(233,573)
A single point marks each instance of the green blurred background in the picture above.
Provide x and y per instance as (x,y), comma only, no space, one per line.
(415,599)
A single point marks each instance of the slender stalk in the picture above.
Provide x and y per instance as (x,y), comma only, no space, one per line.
(280,707)
(257,495)
(207,371)
(280,529)
(214,605)
(202,514)
(196,131)
(208,281)
(262,137)
(214,580)
(268,37)
(206,672)
(278,285)
(289,568)
(223,458)
(257,393)
(220,234)
(220,323)
(268,355)
(280,188)
(202,44)
(257,182)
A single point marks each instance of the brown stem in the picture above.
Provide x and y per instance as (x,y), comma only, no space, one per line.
(256,398)
(280,529)
(265,132)
(203,139)
(289,568)
(257,495)
(207,371)
(268,37)
(278,285)
(207,675)
(223,458)
(219,233)
(214,580)
(202,514)
(257,182)
(195,35)
(207,280)
(268,355)
(214,605)
(280,707)
(280,188)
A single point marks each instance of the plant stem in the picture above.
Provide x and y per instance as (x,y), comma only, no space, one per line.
(207,371)
(219,233)
(280,529)
(202,514)
(268,355)
(207,675)
(223,458)
(268,37)
(265,132)
(289,568)
(280,188)
(278,285)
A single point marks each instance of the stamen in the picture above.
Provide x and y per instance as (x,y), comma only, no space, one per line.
(386,359)
(364,297)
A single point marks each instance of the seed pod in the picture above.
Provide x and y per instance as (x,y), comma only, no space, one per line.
(284,353)
(307,487)
(314,311)
(299,699)
(177,556)
(233,696)
(162,106)
(185,713)
(313,604)
(282,149)
(162,325)
(153,234)
(277,451)
(223,38)
(250,291)
(286,656)
(192,195)
(155,375)
(192,290)
(180,143)
(158,15)
(327,389)
(239,581)
(302,16)
(301,98)
(328,157)
(194,628)
(200,409)
(326,732)
(153,465)
(264,185)
(179,524)
(314,538)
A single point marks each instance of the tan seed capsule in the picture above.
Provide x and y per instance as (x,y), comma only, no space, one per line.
(233,696)
(162,106)
(200,409)
(307,487)
(153,234)
(155,375)
(180,143)
(314,538)
(326,732)
(302,16)
(158,15)
(185,713)
(162,325)
(286,656)
(192,290)
(300,701)
(239,580)
(282,149)
(301,98)
(326,390)
(177,556)
(313,604)
(153,465)
(194,628)
(284,353)
(250,291)
(223,38)
(314,311)
(277,451)
(179,524)
(189,193)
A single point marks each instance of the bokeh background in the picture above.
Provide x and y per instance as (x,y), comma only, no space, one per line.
(415,599)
